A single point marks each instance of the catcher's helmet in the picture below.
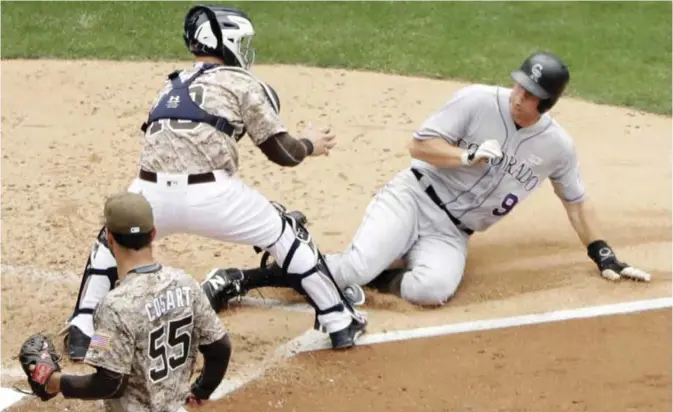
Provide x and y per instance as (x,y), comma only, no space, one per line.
(222,32)
(544,75)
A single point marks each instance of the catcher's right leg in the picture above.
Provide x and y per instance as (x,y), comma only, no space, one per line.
(302,268)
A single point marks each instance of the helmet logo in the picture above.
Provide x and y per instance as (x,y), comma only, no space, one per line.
(536,72)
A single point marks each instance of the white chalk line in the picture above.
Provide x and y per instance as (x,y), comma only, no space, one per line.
(313,341)
(498,323)
(282,353)
(9,397)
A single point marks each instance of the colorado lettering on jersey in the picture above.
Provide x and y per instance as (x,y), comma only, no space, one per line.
(168,301)
(516,168)
(519,170)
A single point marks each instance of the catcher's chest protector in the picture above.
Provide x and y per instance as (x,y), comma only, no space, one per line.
(178,105)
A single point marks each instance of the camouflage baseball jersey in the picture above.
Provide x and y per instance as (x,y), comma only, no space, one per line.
(179,146)
(150,327)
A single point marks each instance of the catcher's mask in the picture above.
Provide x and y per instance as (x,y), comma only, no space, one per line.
(222,32)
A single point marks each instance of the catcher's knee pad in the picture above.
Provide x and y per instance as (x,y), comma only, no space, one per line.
(98,278)
(301,261)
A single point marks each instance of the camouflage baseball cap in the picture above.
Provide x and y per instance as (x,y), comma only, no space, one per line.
(128,213)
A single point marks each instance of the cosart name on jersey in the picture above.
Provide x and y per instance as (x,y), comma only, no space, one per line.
(167,301)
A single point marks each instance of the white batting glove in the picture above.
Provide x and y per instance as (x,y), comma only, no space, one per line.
(610,267)
(488,150)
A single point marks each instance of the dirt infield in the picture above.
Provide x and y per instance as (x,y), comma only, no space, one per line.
(70,138)
(603,364)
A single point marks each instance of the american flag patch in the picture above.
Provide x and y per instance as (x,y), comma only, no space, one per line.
(100,341)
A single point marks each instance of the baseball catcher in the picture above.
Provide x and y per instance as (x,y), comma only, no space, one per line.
(187,171)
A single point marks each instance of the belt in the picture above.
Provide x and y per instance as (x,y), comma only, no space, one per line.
(433,196)
(191,179)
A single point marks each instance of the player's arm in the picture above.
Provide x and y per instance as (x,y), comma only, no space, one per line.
(214,345)
(436,141)
(583,220)
(436,151)
(103,384)
(569,189)
(285,150)
(216,356)
(110,353)
(260,108)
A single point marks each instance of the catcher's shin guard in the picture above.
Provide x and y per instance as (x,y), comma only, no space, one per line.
(98,278)
(306,271)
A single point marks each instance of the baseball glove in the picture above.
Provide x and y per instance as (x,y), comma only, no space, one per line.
(39,351)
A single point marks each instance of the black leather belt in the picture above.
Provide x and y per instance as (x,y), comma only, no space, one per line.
(191,179)
(433,196)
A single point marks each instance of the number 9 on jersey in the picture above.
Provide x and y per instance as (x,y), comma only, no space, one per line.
(507,205)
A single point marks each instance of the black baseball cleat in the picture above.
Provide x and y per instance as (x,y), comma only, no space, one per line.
(76,343)
(222,285)
(345,338)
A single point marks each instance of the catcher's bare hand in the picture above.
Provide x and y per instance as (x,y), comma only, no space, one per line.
(322,139)
(39,360)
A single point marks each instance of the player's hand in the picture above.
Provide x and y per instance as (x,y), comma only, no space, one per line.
(486,151)
(39,360)
(322,139)
(192,400)
(610,267)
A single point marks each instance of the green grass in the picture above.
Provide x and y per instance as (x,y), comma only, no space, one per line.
(619,52)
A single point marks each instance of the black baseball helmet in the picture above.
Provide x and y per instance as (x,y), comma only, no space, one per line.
(544,75)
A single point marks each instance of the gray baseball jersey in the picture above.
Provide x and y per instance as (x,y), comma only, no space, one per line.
(403,222)
(150,327)
(481,195)
(174,146)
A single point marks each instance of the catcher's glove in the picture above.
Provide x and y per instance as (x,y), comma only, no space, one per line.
(39,351)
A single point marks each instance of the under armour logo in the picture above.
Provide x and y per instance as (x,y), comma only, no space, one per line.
(536,72)
(173,102)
